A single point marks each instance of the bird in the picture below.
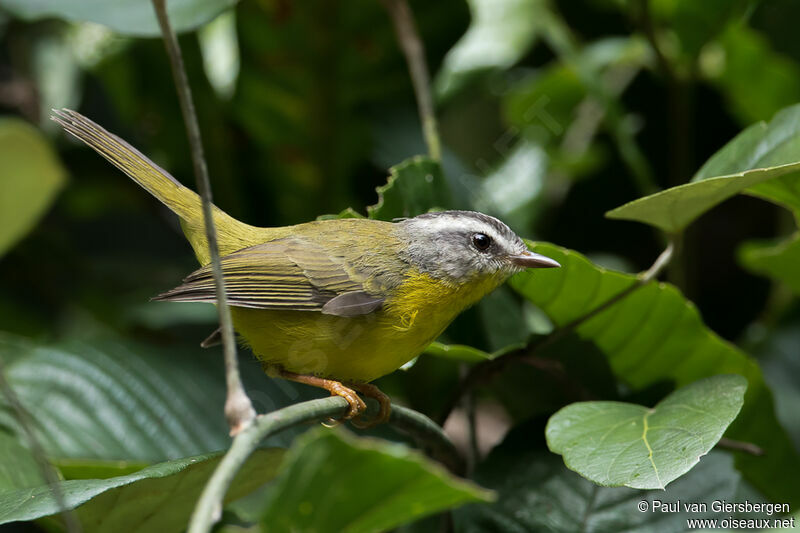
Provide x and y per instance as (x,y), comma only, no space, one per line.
(333,303)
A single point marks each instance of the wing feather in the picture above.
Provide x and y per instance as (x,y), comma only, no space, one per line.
(285,274)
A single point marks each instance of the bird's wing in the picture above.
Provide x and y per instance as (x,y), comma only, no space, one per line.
(284,274)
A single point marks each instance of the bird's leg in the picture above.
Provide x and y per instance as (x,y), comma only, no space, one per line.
(371,391)
(336,388)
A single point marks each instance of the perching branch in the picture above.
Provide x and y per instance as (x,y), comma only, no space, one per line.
(48,471)
(238,407)
(209,507)
(414,52)
(484,371)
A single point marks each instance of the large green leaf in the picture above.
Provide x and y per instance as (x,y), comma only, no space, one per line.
(30,178)
(779,261)
(500,34)
(333,482)
(157,498)
(623,444)
(18,469)
(536,492)
(654,335)
(777,354)
(115,402)
(756,80)
(415,186)
(130,17)
(762,160)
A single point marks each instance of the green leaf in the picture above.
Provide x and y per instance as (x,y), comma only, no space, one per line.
(344,213)
(777,354)
(762,160)
(655,334)
(110,401)
(334,482)
(500,34)
(219,45)
(556,375)
(18,469)
(157,498)
(129,17)
(457,351)
(695,23)
(622,444)
(32,175)
(778,261)
(756,80)
(536,492)
(415,186)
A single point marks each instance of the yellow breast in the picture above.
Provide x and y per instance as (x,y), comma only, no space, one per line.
(359,348)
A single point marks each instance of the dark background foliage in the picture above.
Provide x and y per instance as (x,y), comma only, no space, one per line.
(585,116)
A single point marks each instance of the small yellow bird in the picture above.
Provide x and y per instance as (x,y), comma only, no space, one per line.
(333,303)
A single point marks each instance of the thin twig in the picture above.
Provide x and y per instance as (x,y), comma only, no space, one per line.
(740,446)
(414,52)
(209,507)
(48,471)
(484,371)
(238,407)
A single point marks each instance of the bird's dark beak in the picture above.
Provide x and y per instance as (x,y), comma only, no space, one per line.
(532,260)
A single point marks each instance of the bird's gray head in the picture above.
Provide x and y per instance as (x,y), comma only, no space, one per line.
(462,245)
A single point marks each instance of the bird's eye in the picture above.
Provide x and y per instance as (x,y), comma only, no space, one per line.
(481,241)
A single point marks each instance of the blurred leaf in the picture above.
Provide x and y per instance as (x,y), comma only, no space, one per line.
(307,134)
(219,45)
(130,17)
(622,444)
(695,23)
(32,175)
(536,492)
(756,80)
(344,213)
(513,190)
(544,104)
(459,352)
(566,371)
(18,469)
(779,261)
(171,314)
(502,320)
(157,498)
(500,34)
(58,77)
(778,357)
(653,335)
(415,186)
(762,160)
(96,468)
(329,483)
(115,402)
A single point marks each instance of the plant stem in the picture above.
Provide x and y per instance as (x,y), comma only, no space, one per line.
(414,52)
(209,507)
(483,371)
(740,446)
(238,407)
(48,471)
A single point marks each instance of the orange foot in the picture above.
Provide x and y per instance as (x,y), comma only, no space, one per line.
(356,405)
(371,391)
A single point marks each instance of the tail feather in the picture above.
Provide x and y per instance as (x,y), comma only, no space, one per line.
(157,181)
(232,235)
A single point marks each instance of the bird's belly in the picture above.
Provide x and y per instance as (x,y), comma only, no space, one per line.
(343,348)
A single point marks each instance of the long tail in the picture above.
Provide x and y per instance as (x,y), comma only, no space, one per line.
(184,202)
(154,179)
